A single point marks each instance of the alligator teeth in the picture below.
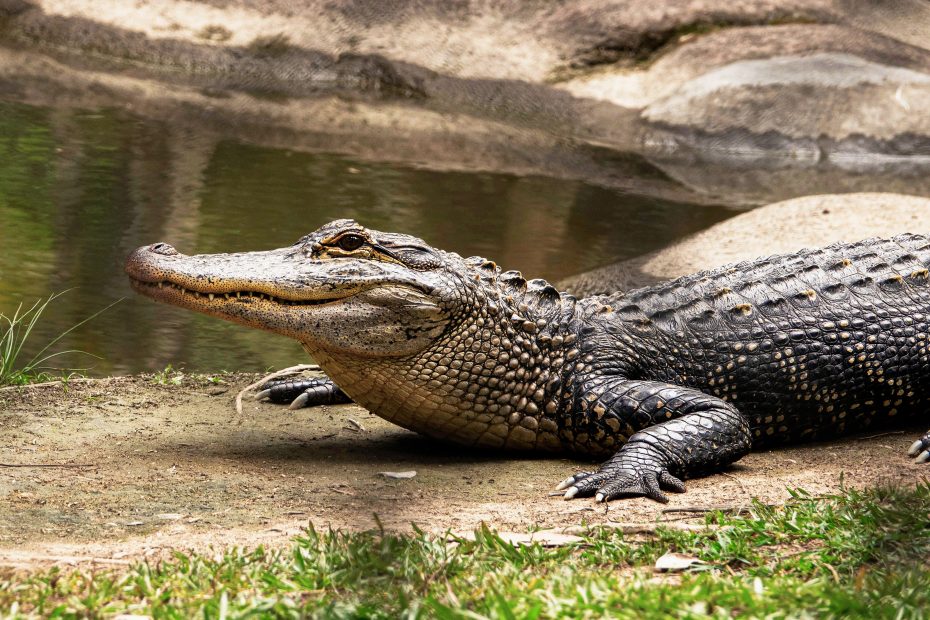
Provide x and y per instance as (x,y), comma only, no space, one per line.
(236,294)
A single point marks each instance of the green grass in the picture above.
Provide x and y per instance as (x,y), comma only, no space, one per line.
(859,555)
(17,329)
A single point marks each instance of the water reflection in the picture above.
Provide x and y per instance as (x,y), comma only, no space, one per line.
(80,189)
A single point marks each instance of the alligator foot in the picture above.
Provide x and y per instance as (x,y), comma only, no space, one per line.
(303,392)
(921,449)
(637,469)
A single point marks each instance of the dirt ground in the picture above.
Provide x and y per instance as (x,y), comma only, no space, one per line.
(107,471)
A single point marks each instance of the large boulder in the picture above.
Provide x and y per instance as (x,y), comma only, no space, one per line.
(793,95)
(502,40)
(774,229)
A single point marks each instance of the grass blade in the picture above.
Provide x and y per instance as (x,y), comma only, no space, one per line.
(31,363)
(15,330)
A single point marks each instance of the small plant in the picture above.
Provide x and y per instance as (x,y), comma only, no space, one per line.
(168,376)
(15,331)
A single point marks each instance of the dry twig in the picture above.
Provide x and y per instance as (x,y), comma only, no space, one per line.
(882,435)
(703,509)
(738,481)
(66,465)
(640,528)
(32,386)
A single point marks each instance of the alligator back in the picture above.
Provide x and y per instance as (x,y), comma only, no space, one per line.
(806,345)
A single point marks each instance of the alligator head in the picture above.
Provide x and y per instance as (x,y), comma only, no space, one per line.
(434,342)
(343,289)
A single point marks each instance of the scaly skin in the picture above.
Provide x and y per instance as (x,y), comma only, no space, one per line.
(672,381)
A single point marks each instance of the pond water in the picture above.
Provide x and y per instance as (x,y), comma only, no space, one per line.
(79,189)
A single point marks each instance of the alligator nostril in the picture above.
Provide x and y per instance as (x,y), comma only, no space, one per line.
(163,248)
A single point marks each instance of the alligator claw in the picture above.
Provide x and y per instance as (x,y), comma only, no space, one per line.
(648,484)
(920,449)
(583,483)
(572,480)
(300,402)
(637,471)
(672,483)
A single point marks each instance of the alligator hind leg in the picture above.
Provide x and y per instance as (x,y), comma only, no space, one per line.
(303,392)
(921,449)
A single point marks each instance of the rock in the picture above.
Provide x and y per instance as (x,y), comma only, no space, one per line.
(909,21)
(504,40)
(798,109)
(819,85)
(398,475)
(788,226)
(544,538)
(694,56)
(777,228)
(676,562)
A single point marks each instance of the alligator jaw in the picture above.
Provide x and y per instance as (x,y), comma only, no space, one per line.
(176,294)
(258,289)
(342,304)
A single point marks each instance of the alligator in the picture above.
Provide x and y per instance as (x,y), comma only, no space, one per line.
(666,383)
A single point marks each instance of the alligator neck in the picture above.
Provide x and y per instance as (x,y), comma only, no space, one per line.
(496,378)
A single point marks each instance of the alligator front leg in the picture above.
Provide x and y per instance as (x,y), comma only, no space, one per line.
(681,433)
(303,392)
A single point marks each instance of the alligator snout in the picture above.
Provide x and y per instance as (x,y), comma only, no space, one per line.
(145,263)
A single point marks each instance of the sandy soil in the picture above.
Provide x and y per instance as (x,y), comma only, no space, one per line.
(112,470)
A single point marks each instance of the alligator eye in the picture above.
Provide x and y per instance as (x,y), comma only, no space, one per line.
(351,242)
